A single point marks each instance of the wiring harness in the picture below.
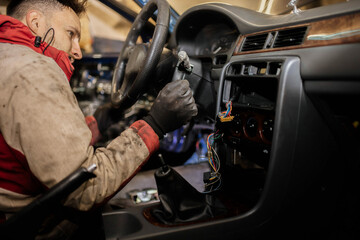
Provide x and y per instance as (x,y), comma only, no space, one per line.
(213,179)
(226,115)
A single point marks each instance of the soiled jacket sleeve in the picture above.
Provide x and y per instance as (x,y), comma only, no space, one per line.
(42,120)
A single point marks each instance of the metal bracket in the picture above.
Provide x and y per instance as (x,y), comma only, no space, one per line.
(292,4)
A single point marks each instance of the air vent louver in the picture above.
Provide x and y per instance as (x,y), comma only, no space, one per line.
(290,37)
(255,42)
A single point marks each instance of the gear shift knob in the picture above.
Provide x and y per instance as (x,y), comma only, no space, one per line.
(164,167)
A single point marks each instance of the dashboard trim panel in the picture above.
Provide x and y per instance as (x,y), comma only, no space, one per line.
(333,31)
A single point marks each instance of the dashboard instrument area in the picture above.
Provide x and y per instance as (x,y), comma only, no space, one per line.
(208,35)
(215,39)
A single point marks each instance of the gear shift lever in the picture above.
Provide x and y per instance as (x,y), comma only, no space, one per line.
(180,201)
(164,166)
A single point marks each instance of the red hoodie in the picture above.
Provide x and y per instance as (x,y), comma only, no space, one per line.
(15,32)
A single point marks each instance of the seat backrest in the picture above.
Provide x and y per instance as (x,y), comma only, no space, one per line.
(26,223)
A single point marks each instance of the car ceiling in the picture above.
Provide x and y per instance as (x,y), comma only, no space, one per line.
(106,23)
(180,6)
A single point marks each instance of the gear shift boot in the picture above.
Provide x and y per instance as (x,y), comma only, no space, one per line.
(180,201)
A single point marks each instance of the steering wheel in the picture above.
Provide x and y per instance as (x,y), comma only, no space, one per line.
(137,62)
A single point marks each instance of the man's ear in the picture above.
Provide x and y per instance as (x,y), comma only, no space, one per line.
(35,21)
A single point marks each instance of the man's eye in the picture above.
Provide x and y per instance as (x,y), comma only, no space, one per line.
(71,33)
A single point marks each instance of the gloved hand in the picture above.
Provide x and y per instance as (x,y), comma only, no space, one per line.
(173,107)
(106,115)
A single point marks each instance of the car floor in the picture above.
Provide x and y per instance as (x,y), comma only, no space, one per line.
(144,180)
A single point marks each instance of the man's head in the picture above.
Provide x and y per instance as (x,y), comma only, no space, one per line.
(61,15)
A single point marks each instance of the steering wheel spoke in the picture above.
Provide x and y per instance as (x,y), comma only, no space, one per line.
(127,52)
(137,62)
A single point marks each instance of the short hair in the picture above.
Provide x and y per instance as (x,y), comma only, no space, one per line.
(18,8)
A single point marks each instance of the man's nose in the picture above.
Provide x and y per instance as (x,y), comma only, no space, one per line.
(76,51)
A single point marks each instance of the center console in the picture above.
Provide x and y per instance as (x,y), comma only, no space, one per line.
(251,87)
(270,136)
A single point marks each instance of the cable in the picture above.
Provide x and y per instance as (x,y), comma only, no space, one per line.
(212,190)
(226,115)
(214,161)
(51,40)
(213,157)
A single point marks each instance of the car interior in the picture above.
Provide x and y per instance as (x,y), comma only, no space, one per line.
(275,148)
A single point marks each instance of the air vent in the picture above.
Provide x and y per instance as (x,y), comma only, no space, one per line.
(290,37)
(255,42)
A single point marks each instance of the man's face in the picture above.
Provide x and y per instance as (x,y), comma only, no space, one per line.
(67,32)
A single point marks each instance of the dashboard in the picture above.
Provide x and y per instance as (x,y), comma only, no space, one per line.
(246,54)
(286,78)
(288,146)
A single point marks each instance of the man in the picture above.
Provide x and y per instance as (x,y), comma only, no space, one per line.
(43,135)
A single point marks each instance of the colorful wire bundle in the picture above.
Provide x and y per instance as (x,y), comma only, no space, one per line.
(226,115)
(212,155)
(213,158)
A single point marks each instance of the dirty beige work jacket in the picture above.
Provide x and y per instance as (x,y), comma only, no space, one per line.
(44,137)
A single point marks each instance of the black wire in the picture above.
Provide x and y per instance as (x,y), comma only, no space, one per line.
(51,40)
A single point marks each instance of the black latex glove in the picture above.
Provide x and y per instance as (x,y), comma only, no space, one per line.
(106,115)
(173,107)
